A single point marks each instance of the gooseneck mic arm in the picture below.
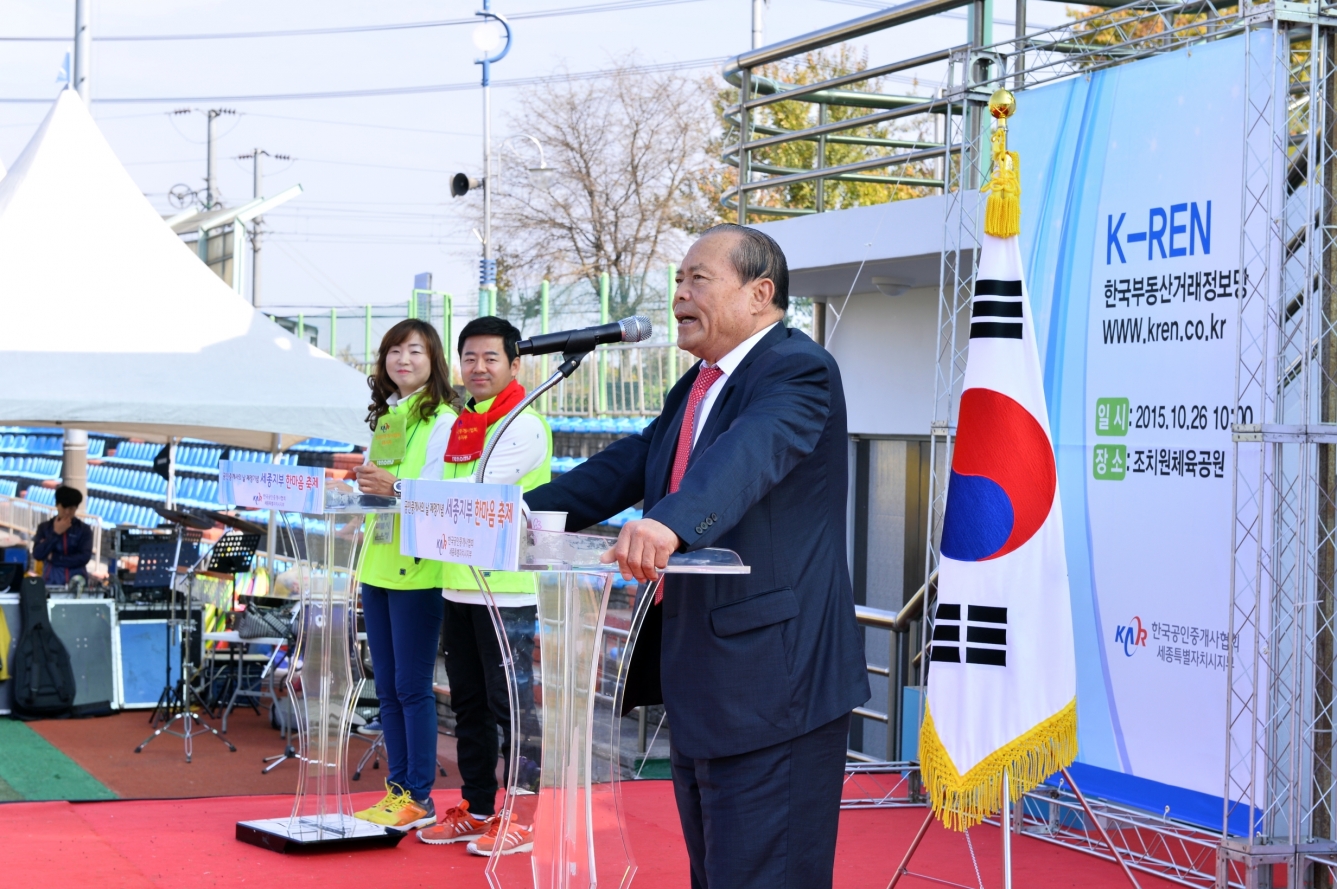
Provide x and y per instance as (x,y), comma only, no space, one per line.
(569,364)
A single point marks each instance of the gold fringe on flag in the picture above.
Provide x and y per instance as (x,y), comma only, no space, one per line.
(1002,211)
(962,801)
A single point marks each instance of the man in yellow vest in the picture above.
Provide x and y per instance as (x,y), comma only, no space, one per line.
(489,363)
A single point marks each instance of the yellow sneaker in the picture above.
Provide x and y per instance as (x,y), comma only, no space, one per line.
(392,792)
(399,811)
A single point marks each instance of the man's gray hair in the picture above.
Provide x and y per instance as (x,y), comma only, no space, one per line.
(757,256)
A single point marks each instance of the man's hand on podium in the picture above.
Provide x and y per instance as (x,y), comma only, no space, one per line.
(643,549)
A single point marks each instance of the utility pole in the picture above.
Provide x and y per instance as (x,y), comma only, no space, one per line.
(210,186)
(256,157)
(758,21)
(83,50)
(211,195)
(257,191)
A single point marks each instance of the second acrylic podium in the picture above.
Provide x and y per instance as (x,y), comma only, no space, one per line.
(566,674)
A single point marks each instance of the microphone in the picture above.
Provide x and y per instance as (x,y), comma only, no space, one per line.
(628,330)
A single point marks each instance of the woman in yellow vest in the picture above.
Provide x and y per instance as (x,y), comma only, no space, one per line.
(411,413)
(489,363)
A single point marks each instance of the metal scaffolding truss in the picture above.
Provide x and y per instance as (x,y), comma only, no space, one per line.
(1281,804)
(1279,773)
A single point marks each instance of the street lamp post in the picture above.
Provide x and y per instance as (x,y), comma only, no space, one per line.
(542,173)
(487,40)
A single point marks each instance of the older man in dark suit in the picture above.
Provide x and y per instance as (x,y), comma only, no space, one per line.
(758,672)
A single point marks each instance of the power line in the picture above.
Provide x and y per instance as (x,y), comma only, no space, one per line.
(368,239)
(878,4)
(306,201)
(314,272)
(100,119)
(400,90)
(617,6)
(371,126)
(311,160)
(323,213)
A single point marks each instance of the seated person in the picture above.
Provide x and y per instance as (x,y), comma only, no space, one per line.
(64,544)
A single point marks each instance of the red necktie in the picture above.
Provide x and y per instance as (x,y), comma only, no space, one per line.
(704,380)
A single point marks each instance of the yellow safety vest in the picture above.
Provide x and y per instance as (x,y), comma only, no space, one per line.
(382,565)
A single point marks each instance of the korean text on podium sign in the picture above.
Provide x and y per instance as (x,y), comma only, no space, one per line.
(461,522)
(270,486)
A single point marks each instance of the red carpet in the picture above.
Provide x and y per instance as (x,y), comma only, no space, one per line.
(170,843)
(105,748)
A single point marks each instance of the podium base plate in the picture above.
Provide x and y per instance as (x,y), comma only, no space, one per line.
(309,834)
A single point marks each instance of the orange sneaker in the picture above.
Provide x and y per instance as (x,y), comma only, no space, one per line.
(518,839)
(455,826)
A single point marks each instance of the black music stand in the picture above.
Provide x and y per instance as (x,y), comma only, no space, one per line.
(178,699)
(234,553)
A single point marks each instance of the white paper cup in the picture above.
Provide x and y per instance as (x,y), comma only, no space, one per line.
(547,521)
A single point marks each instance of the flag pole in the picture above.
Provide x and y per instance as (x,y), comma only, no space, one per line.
(1005,822)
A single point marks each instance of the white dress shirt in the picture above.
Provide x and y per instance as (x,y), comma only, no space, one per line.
(728,364)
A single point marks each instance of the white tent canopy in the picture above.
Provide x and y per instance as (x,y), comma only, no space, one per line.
(112,324)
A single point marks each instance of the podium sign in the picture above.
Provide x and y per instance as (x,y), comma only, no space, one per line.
(461,522)
(566,758)
(271,486)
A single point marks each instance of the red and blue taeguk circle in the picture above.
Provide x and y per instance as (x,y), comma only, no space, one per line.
(1003,478)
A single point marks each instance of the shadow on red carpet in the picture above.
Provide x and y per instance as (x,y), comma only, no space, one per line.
(167,843)
(105,748)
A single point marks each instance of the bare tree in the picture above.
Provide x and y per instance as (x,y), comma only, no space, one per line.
(628,151)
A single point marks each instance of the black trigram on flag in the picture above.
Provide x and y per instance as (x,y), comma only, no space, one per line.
(996,313)
(986,634)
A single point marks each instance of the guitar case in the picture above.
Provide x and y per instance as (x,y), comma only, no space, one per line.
(43,676)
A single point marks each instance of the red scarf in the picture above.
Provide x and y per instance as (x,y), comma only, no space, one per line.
(469,433)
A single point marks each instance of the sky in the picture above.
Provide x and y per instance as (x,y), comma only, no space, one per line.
(376,206)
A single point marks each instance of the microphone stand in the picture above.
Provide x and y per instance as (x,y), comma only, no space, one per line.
(571,361)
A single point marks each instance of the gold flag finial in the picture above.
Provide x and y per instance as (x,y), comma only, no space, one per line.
(1002,105)
(1002,211)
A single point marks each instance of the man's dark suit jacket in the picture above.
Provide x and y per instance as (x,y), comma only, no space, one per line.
(747,661)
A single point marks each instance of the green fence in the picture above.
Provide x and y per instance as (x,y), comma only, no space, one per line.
(626,380)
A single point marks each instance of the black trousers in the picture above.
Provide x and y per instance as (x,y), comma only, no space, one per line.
(478,696)
(765,819)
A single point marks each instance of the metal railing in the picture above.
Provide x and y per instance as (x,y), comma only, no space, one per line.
(973,71)
(623,380)
(924,162)
(1159,845)
(899,623)
(872,783)
(22,517)
(627,380)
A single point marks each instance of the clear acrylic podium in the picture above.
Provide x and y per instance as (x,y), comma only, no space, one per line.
(566,703)
(318,555)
